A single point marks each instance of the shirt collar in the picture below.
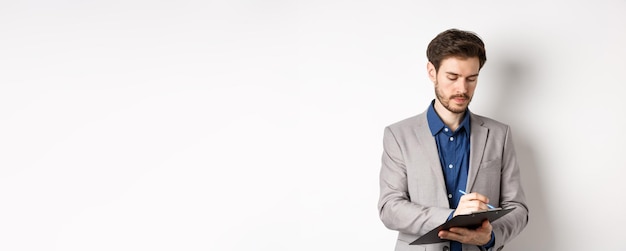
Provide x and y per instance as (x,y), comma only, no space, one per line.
(436,124)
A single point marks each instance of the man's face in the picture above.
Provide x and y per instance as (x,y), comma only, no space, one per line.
(455,82)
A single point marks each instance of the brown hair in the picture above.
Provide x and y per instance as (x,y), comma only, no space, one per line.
(456,43)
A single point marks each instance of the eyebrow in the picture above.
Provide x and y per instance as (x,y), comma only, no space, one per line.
(456,74)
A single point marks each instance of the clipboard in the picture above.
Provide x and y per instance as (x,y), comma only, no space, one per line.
(471,221)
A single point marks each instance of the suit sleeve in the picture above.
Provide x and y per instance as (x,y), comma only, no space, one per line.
(511,195)
(396,210)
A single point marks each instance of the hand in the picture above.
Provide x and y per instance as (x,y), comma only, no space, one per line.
(471,202)
(480,236)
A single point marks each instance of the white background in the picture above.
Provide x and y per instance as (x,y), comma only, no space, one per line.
(257,125)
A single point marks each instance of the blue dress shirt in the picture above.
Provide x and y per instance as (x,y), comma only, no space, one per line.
(454,152)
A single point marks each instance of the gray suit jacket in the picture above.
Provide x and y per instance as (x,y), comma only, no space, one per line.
(413,198)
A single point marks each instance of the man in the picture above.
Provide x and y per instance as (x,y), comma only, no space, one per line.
(431,159)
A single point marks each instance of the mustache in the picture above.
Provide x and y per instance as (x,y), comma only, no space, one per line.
(460,96)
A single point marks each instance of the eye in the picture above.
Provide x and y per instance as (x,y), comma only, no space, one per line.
(471,79)
(452,77)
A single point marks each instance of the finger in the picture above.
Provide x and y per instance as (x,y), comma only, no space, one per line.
(479,197)
(466,207)
(474,196)
(447,235)
(482,206)
(466,236)
(486,226)
(459,231)
(456,234)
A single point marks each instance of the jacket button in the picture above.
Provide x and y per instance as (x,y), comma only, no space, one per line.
(446,248)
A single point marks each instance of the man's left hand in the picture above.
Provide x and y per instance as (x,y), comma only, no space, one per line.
(479,236)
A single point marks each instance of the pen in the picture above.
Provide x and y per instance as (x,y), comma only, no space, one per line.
(464,193)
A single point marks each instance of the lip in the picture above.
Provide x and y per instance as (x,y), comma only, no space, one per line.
(459,100)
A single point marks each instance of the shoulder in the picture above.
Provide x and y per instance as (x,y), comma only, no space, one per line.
(492,124)
(409,123)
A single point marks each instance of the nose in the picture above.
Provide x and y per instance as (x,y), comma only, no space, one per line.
(462,86)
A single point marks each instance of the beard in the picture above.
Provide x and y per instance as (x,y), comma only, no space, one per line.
(446,102)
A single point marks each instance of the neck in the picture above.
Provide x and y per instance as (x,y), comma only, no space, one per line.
(450,119)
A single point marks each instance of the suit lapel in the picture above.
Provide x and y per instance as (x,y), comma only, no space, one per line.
(427,143)
(478,140)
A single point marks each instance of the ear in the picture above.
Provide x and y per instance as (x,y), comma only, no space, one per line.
(432,72)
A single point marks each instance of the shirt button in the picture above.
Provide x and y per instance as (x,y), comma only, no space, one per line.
(451,138)
(450,196)
(446,248)
(445,129)
(450,166)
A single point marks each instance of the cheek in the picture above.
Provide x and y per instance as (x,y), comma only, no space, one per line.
(445,85)
(444,82)
(471,88)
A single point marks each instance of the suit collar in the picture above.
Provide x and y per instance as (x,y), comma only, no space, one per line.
(429,148)
(478,141)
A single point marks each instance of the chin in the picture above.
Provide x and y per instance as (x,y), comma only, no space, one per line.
(457,109)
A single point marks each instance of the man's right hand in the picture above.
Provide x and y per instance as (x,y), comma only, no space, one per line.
(471,202)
